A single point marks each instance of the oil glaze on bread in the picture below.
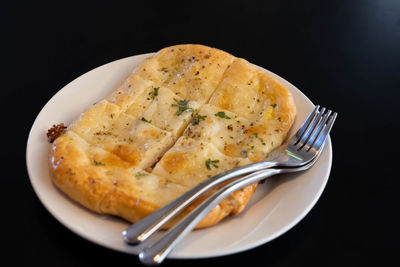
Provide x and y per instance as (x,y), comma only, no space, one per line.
(185,114)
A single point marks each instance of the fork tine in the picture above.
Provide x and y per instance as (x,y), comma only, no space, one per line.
(321,139)
(305,125)
(310,129)
(318,130)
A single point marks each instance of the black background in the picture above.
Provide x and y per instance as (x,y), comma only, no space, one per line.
(342,54)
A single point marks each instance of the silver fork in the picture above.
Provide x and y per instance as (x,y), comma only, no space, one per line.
(301,149)
(156,250)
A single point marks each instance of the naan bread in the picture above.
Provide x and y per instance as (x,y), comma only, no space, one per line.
(185,114)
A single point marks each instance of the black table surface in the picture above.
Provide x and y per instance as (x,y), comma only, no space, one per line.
(342,54)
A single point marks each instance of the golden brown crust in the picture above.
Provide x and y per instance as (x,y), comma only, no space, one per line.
(103,182)
(75,175)
(231,205)
(116,158)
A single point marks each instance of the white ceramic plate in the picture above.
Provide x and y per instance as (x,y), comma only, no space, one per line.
(278,204)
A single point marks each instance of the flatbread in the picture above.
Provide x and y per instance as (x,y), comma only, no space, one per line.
(185,114)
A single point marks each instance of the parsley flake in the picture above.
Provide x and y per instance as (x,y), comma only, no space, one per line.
(222,115)
(210,163)
(140,174)
(154,93)
(273,105)
(143,119)
(196,120)
(182,106)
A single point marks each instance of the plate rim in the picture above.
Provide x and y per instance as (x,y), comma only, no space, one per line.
(234,250)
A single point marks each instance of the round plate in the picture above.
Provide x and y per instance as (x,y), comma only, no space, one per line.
(278,204)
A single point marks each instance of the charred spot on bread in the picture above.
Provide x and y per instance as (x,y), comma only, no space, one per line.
(55,131)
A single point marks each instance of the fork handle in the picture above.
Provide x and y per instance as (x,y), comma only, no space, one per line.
(158,249)
(141,230)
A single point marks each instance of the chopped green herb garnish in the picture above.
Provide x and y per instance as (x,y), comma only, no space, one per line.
(140,174)
(196,120)
(252,147)
(256,135)
(273,105)
(182,106)
(98,163)
(210,163)
(222,114)
(143,119)
(154,93)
